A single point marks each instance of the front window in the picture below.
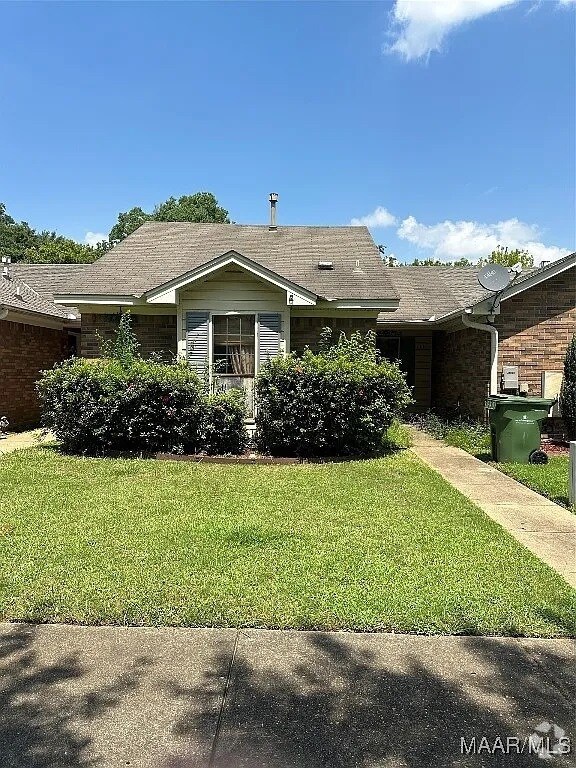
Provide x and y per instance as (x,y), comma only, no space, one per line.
(234,344)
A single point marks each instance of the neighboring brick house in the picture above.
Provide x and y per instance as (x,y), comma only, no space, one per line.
(35,333)
(227,297)
(535,318)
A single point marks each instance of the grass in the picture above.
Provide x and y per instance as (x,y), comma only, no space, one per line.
(551,480)
(461,432)
(384,544)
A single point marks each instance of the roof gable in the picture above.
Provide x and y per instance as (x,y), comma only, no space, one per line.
(167,293)
(158,253)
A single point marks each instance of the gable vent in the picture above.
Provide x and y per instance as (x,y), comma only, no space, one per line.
(325,265)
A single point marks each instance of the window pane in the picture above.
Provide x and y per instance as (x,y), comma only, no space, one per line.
(234,344)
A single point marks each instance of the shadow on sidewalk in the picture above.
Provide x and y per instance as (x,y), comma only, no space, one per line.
(338,706)
(42,724)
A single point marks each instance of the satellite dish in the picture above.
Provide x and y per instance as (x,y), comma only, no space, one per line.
(493,277)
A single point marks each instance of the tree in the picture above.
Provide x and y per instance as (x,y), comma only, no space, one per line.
(56,249)
(568,390)
(15,236)
(509,257)
(22,243)
(200,207)
(127,223)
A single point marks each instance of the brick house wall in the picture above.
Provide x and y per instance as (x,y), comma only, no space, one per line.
(461,370)
(25,350)
(535,327)
(534,330)
(155,333)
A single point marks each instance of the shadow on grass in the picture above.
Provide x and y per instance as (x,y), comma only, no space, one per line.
(334,705)
(42,723)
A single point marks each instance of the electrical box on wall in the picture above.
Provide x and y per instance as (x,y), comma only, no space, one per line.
(510,378)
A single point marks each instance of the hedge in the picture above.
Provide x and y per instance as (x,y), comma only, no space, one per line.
(98,406)
(337,402)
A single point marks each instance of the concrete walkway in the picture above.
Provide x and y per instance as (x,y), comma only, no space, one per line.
(545,528)
(17,440)
(73,697)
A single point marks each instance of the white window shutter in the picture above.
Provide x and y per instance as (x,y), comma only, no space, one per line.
(269,327)
(197,324)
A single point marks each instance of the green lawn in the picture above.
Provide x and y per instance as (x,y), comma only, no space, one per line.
(550,479)
(382,544)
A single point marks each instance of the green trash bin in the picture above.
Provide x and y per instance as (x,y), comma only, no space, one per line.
(515,424)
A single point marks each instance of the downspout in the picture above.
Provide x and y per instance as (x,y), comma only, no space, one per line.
(493,331)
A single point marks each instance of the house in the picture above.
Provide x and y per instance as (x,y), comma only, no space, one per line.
(456,338)
(228,296)
(35,333)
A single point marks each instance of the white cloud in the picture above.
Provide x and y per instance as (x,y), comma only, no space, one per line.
(379,217)
(449,240)
(420,26)
(93,238)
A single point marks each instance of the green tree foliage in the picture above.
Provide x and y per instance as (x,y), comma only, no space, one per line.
(508,257)
(15,237)
(127,223)
(55,249)
(568,391)
(22,243)
(200,207)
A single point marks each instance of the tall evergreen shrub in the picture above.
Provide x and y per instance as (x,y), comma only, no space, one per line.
(568,391)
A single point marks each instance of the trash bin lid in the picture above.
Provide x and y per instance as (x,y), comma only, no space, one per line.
(542,402)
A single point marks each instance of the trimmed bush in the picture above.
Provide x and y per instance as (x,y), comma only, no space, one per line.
(96,406)
(337,402)
(125,403)
(222,428)
(568,391)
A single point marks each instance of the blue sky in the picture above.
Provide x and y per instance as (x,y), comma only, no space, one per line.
(450,126)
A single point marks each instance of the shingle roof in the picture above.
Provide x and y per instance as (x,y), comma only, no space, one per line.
(18,295)
(427,292)
(48,279)
(158,252)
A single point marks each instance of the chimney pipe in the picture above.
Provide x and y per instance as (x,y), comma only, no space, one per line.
(273,200)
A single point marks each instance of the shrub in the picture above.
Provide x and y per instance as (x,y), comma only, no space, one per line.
(222,428)
(568,391)
(125,403)
(337,402)
(95,406)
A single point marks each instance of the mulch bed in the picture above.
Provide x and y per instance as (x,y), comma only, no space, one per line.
(555,447)
(247,458)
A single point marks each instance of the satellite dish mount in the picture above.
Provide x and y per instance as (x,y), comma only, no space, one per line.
(496,278)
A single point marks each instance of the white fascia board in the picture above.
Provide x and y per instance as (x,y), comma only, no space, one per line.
(556,268)
(123,301)
(381,304)
(166,294)
(38,319)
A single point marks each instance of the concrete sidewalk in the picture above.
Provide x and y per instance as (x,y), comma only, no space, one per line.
(17,440)
(545,528)
(75,696)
